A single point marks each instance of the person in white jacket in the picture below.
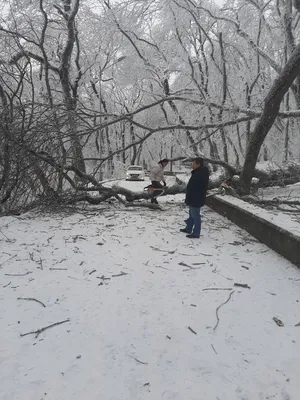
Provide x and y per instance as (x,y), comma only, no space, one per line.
(156,176)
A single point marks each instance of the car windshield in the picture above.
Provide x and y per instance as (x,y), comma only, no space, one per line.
(135,168)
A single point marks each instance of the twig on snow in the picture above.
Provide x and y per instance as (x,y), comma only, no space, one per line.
(192,330)
(94,270)
(7,284)
(243,266)
(216,288)
(58,269)
(188,266)
(164,251)
(40,262)
(8,260)
(49,238)
(39,331)
(278,321)
(31,299)
(103,278)
(120,274)
(141,362)
(74,238)
(159,266)
(243,285)
(214,348)
(75,279)
(218,308)
(28,272)
(7,238)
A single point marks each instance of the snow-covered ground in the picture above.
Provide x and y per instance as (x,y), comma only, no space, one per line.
(139,324)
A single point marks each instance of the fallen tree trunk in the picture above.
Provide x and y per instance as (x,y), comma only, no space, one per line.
(274,175)
(130,196)
(115,192)
(290,174)
(279,176)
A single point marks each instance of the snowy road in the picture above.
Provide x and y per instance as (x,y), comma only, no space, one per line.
(148,333)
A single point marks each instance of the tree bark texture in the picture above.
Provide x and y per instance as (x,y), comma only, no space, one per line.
(268,116)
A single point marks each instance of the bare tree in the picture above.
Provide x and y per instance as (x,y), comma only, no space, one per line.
(271,109)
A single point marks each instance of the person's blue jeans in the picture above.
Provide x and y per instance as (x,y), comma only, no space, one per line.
(193,223)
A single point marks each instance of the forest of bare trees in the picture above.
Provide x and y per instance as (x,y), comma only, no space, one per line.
(88,87)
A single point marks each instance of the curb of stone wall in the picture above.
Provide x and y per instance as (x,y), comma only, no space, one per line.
(284,242)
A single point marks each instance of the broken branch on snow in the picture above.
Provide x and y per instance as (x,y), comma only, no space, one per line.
(216,289)
(163,251)
(94,270)
(31,299)
(192,330)
(218,308)
(140,362)
(188,266)
(41,330)
(243,285)
(28,272)
(8,260)
(214,348)
(120,274)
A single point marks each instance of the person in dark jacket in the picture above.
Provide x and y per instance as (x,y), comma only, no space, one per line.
(195,197)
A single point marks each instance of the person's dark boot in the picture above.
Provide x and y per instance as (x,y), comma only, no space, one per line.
(192,236)
(184,230)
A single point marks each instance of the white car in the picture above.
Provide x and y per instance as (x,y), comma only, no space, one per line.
(135,173)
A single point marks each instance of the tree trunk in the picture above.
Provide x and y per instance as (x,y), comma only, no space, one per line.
(286,130)
(64,73)
(268,116)
(173,106)
(4,126)
(224,95)
(123,142)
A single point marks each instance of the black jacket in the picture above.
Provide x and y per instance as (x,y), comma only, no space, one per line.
(197,187)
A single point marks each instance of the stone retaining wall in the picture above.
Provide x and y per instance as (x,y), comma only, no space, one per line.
(282,241)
